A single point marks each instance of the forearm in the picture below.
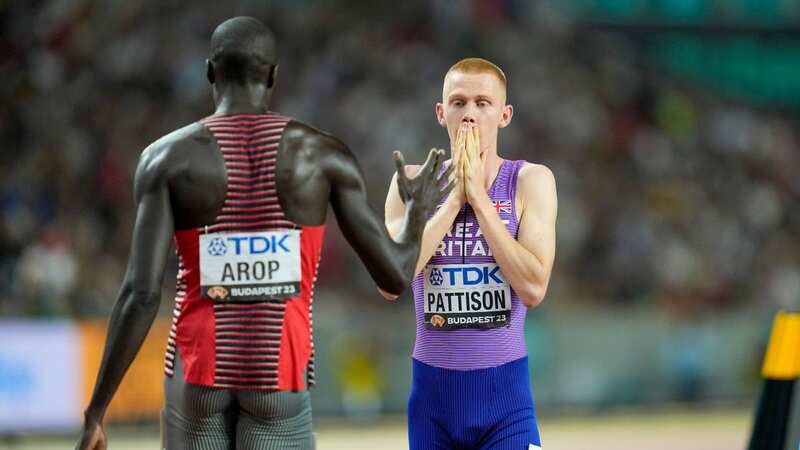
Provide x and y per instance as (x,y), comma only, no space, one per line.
(409,240)
(131,319)
(435,229)
(523,269)
(407,223)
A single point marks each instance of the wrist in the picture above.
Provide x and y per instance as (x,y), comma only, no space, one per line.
(91,416)
(415,214)
(482,205)
(453,202)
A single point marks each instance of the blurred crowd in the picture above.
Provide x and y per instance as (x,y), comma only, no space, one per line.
(668,193)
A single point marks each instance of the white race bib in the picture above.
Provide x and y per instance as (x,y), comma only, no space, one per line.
(465,296)
(250,266)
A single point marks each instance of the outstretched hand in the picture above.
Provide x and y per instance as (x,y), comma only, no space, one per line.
(92,437)
(429,186)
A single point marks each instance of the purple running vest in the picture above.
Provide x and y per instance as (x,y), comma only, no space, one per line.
(474,319)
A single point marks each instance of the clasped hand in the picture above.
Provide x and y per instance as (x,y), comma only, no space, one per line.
(469,174)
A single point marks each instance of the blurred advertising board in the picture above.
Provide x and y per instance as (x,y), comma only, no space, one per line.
(48,370)
(39,375)
(141,394)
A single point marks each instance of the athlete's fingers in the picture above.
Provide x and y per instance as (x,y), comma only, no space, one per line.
(466,164)
(399,164)
(459,139)
(477,142)
(429,162)
(463,149)
(437,164)
(465,133)
(456,171)
(461,136)
(402,179)
(462,177)
(434,154)
(479,154)
(100,444)
(92,439)
(441,157)
(475,152)
(446,174)
(86,442)
(446,190)
(470,144)
(462,167)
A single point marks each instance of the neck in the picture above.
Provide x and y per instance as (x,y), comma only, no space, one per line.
(236,99)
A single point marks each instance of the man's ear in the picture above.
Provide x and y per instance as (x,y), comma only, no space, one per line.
(505,119)
(210,71)
(273,74)
(440,114)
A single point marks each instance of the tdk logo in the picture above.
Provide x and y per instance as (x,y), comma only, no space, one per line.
(249,245)
(470,276)
(436,277)
(217,247)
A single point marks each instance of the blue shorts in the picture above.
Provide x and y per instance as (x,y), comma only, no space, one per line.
(472,409)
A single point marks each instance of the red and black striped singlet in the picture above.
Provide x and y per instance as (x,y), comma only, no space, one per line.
(264,342)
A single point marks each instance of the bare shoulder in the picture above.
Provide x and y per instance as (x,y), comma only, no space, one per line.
(171,154)
(314,151)
(534,176)
(302,137)
(536,171)
(537,186)
(176,146)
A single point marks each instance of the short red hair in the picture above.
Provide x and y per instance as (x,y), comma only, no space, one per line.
(478,65)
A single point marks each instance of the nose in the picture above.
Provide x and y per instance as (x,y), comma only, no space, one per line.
(468,119)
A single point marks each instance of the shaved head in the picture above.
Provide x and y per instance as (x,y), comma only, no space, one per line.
(242,50)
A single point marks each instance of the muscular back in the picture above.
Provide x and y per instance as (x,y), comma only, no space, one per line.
(313,169)
(192,163)
(308,162)
(194,169)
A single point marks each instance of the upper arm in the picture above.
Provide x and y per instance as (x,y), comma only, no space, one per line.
(537,228)
(348,194)
(395,209)
(359,223)
(154,227)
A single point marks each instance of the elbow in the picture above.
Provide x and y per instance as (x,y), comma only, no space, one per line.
(533,295)
(393,282)
(392,288)
(388,296)
(140,298)
(148,300)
